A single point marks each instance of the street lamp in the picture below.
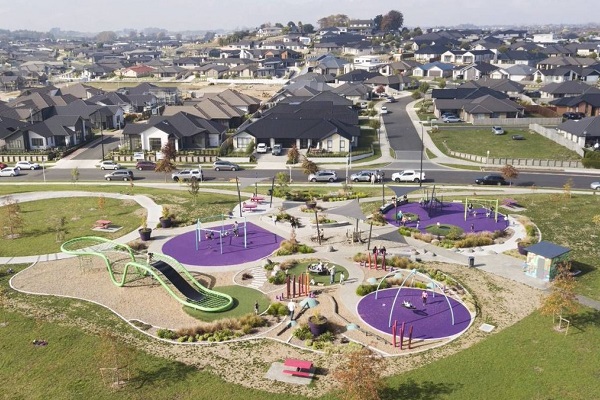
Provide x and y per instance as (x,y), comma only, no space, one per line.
(422,150)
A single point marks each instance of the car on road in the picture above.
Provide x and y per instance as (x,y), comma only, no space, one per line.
(323,176)
(365,176)
(595,185)
(120,175)
(187,175)
(497,130)
(2,165)
(384,110)
(9,171)
(390,100)
(109,164)
(408,175)
(450,120)
(261,148)
(491,180)
(145,165)
(27,165)
(276,150)
(222,165)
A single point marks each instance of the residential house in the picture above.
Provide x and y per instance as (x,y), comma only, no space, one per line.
(585,132)
(463,57)
(165,95)
(137,71)
(564,61)
(185,131)
(396,82)
(356,75)
(403,67)
(517,73)
(484,107)
(584,49)
(555,75)
(566,89)
(94,115)
(428,54)
(353,91)
(360,25)
(504,86)
(588,103)
(474,71)
(434,69)
(7,127)
(329,66)
(57,131)
(79,90)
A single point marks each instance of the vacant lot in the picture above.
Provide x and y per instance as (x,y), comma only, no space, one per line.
(479,141)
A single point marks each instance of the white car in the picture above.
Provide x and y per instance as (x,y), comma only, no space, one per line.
(9,171)
(497,130)
(408,175)
(109,164)
(27,165)
(384,110)
(595,185)
(187,175)
(261,148)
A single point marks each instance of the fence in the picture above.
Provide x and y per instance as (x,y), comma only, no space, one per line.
(516,121)
(553,135)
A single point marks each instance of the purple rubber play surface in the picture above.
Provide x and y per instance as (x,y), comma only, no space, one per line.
(432,321)
(260,243)
(450,213)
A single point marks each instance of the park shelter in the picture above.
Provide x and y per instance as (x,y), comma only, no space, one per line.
(542,259)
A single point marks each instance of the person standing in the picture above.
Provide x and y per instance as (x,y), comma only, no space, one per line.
(291,308)
(373,178)
(424,297)
(342,277)
(256,308)
(236,229)
(472,227)
(332,275)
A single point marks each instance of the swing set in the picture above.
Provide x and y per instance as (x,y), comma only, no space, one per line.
(222,231)
(486,203)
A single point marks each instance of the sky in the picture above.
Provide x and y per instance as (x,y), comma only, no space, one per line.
(182,15)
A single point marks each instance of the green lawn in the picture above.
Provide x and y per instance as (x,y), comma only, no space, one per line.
(479,141)
(41,221)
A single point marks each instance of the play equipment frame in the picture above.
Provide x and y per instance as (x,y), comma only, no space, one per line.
(482,202)
(222,231)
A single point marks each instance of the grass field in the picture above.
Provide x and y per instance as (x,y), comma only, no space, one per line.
(526,361)
(479,141)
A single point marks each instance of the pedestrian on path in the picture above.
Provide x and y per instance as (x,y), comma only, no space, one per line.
(332,275)
(424,297)
(342,277)
(256,308)
(291,308)
(373,177)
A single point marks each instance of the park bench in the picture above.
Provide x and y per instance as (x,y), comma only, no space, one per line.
(301,367)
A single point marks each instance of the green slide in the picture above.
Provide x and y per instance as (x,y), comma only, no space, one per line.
(124,264)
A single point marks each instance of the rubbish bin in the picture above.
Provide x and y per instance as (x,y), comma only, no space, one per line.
(269,192)
(471,261)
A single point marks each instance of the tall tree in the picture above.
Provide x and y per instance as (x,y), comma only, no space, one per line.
(333,20)
(377,22)
(308,28)
(562,299)
(359,375)
(106,37)
(167,163)
(509,173)
(392,21)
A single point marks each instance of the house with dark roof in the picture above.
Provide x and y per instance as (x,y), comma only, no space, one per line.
(59,131)
(516,73)
(429,54)
(325,121)
(8,126)
(165,95)
(396,82)
(473,71)
(566,89)
(585,132)
(471,103)
(185,131)
(434,69)
(462,57)
(588,103)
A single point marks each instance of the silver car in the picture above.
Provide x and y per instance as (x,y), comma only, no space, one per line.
(221,165)
(323,176)
(595,185)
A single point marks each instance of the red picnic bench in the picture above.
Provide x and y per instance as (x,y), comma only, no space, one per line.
(257,199)
(249,206)
(102,224)
(302,367)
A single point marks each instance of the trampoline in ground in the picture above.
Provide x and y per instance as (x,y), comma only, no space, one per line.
(450,213)
(260,244)
(431,321)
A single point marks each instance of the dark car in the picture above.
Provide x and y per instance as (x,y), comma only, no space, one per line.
(576,116)
(145,165)
(491,180)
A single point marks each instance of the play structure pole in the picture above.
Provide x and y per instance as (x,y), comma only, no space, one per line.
(383,263)
(401,335)
(237,184)
(375,261)
(287,284)
(307,283)
(294,286)
(369,258)
(394,333)
(410,330)
(198,235)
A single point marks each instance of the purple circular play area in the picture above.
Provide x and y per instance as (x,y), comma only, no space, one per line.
(430,321)
(450,214)
(259,244)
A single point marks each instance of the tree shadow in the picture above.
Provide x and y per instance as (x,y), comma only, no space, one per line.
(164,374)
(584,268)
(413,390)
(582,320)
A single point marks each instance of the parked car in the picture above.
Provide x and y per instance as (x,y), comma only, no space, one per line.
(276,150)
(390,100)
(27,165)
(9,171)
(497,130)
(2,165)
(222,165)
(491,180)
(187,175)
(573,115)
(448,115)
(595,185)
(408,175)
(109,164)
(365,176)
(121,175)
(323,176)
(384,110)
(261,148)
(449,120)
(145,165)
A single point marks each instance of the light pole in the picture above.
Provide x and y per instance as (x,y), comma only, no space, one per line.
(422,150)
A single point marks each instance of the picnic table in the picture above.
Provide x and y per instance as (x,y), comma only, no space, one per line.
(249,206)
(257,199)
(301,367)
(102,224)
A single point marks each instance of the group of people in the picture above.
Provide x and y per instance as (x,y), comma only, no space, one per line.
(210,235)
(424,296)
(379,251)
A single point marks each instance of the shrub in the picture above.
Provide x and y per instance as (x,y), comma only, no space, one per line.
(474,240)
(366,288)
(166,334)
(278,278)
(378,219)
(303,333)
(276,309)
(406,231)
(304,249)
(531,231)
(454,233)
(287,264)
(399,262)
(426,237)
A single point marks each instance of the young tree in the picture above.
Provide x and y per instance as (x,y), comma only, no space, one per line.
(567,188)
(375,124)
(194,189)
(509,173)
(293,155)
(75,175)
(308,166)
(167,163)
(562,299)
(12,220)
(101,202)
(359,375)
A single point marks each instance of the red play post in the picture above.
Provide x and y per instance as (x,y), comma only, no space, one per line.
(369,258)
(394,332)
(294,286)
(375,258)
(410,336)
(401,335)
(287,284)
(383,263)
